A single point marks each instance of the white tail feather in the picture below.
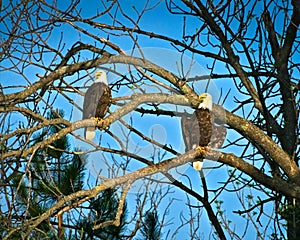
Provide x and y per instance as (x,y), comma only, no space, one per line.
(197,165)
(90,133)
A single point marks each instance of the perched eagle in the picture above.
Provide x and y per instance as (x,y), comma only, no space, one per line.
(97,100)
(200,129)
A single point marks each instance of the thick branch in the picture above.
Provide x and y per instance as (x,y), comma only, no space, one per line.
(248,129)
(291,32)
(276,184)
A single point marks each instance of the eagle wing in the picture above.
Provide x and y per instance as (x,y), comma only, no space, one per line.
(97,100)
(103,102)
(190,131)
(218,136)
(199,129)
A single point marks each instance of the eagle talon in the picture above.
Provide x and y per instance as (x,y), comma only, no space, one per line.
(202,149)
(95,119)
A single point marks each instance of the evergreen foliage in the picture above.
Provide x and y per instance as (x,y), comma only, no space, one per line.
(102,209)
(151,229)
(52,174)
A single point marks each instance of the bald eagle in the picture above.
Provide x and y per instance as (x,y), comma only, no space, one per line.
(200,129)
(97,100)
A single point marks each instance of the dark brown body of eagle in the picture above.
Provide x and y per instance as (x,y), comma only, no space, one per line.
(96,103)
(205,123)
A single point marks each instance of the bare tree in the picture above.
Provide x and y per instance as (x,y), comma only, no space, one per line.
(49,54)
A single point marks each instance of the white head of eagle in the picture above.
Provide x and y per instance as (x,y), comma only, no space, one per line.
(206,103)
(101,77)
